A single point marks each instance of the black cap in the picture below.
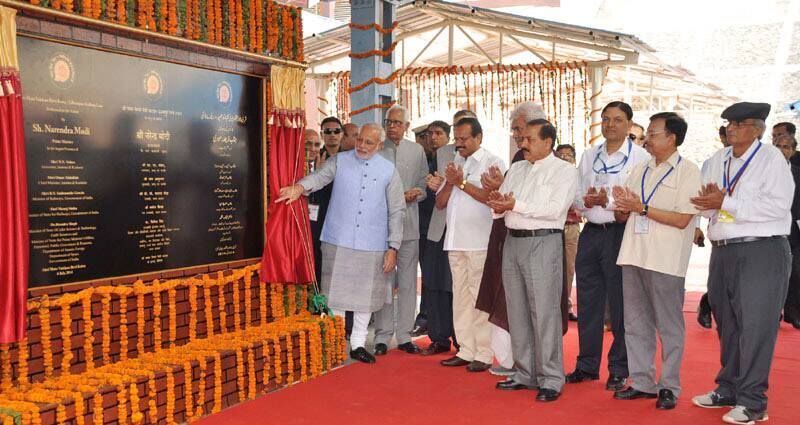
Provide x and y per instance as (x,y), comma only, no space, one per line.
(743,110)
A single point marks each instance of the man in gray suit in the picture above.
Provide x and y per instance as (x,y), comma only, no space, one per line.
(412,165)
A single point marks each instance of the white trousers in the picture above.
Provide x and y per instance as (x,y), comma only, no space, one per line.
(358,337)
(501,345)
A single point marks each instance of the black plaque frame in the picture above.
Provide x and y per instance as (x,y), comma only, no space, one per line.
(264,142)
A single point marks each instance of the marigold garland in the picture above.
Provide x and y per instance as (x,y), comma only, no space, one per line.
(123,325)
(217,383)
(201,387)
(22,365)
(373,106)
(88,338)
(223,324)
(136,415)
(237,309)
(192,313)
(106,323)
(170,396)
(97,409)
(5,360)
(383,30)
(66,341)
(240,374)
(376,52)
(209,311)
(173,316)
(122,405)
(251,372)
(123,374)
(80,408)
(187,386)
(157,316)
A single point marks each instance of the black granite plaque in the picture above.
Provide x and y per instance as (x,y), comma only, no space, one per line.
(137,165)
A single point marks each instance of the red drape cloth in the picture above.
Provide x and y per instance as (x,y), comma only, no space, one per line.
(13,211)
(288,255)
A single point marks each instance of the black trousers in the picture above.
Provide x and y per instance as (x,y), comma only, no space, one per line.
(437,291)
(422,317)
(600,278)
(791,309)
(747,285)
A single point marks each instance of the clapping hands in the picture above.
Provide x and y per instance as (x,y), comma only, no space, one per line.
(501,203)
(492,179)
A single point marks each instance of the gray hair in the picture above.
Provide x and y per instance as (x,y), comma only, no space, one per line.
(397,107)
(529,111)
(761,126)
(376,127)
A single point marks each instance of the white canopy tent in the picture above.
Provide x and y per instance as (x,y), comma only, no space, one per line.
(433,33)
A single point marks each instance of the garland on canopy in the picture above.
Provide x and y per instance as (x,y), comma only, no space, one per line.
(560,87)
(238,24)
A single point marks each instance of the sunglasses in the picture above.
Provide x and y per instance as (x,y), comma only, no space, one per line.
(332,131)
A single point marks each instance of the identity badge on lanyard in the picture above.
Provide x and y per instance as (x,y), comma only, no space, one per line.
(729,184)
(602,173)
(641,223)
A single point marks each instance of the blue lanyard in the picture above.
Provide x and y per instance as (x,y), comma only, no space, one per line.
(727,184)
(652,192)
(614,169)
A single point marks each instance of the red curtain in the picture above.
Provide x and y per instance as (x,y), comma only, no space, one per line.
(13,211)
(288,255)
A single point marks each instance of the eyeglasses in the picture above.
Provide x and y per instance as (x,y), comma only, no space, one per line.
(784,146)
(739,124)
(332,131)
(313,144)
(633,137)
(649,135)
(389,123)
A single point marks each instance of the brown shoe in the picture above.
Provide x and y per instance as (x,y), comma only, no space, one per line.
(454,361)
(477,366)
(435,348)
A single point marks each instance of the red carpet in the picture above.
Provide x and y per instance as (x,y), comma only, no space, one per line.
(407,389)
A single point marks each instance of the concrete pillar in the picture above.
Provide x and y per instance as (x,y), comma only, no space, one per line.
(365,12)
(597,74)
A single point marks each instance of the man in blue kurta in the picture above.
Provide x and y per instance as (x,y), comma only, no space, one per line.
(362,233)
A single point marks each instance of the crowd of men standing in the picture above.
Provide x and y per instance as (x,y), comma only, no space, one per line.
(498,247)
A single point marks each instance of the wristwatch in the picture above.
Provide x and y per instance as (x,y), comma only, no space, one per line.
(463,184)
(644,210)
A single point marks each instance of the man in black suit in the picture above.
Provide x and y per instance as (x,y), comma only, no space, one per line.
(791,308)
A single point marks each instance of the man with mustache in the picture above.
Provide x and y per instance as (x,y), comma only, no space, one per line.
(469,221)
(598,276)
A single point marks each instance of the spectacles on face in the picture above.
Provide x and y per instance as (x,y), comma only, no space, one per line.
(313,144)
(739,124)
(331,131)
(650,135)
(786,147)
(392,123)
(633,137)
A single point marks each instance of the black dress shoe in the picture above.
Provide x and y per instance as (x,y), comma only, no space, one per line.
(704,312)
(580,376)
(615,382)
(512,385)
(362,355)
(454,361)
(419,331)
(572,317)
(631,393)
(704,318)
(476,366)
(381,349)
(546,394)
(410,348)
(435,348)
(666,400)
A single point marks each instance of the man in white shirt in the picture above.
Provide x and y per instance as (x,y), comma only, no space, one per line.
(469,222)
(654,257)
(598,277)
(747,195)
(534,199)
